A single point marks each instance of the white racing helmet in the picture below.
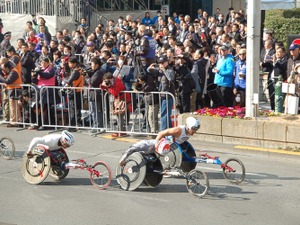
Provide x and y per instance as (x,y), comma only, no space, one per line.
(163,147)
(67,138)
(192,123)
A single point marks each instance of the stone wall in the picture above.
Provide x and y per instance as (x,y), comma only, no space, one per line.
(261,132)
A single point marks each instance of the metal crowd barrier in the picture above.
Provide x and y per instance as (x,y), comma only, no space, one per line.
(16,110)
(94,109)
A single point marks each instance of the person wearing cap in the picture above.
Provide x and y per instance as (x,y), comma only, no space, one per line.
(5,43)
(224,75)
(89,54)
(294,59)
(186,83)
(165,83)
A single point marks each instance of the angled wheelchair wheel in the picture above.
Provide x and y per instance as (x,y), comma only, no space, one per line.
(197,183)
(101,175)
(186,165)
(132,174)
(36,168)
(153,175)
(7,148)
(234,170)
(57,171)
(173,158)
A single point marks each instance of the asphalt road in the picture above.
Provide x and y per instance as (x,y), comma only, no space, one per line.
(269,194)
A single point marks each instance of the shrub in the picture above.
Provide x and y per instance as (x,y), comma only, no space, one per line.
(283,23)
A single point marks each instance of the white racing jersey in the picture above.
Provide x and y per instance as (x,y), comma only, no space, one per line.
(183,136)
(51,140)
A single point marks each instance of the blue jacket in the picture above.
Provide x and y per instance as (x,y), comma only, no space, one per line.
(147,21)
(240,67)
(225,66)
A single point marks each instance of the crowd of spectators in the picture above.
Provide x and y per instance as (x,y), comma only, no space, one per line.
(191,58)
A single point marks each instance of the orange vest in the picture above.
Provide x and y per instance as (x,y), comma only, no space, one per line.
(79,82)
(18,66)
(17,83)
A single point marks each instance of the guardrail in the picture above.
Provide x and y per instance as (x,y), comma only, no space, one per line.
(96,110)
(16,109)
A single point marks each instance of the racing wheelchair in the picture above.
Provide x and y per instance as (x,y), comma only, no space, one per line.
(233,169)
(149,170)
(41,162)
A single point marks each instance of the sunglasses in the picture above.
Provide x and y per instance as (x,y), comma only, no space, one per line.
(195,128)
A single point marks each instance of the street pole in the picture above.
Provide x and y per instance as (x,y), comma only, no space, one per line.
(253,50)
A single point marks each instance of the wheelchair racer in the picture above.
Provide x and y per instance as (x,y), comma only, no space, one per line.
(53,141)
(180,135)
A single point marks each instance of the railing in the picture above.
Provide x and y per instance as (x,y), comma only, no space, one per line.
(91,109)
(17,110)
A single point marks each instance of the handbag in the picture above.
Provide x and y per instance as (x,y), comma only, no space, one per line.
(119,107)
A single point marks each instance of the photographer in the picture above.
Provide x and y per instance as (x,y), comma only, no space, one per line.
(185,82)
(146,84)
(122,102)
(45,76)
(165,81)
(108,62)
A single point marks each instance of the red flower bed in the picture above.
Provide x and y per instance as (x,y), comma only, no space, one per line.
(223,111)
(232,112)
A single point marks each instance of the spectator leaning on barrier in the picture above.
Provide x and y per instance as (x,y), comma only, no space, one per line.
(121,101)
(224,75)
